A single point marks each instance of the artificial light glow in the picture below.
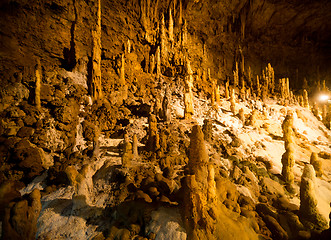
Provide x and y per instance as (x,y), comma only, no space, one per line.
(323,98)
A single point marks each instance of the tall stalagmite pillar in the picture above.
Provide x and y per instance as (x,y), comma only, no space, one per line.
(96,88)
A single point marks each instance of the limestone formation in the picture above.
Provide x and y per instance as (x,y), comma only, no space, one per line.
(308,211)
(316,163)
(96,87)
(38,76)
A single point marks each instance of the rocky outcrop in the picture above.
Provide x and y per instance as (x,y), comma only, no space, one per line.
(308,212)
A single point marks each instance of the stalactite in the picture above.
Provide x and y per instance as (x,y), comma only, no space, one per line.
(96,57)
(38,76)
(188,96)
(171,27)
(180,20)
(163,39)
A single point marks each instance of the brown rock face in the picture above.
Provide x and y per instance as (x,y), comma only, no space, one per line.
(30,157)
(20,221)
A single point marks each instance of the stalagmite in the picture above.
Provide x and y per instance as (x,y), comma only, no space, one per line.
(38,76)
(158,62)
(270,75)
(288,156)
(217,95)
(315,111)
(236,76)
(129,46)
(242,115)
(227,94)
(122,71)
(324,113)
(127,153)
(80,183)
(184,33)
(96,87)
(258,88)
(211,193)
(166,112)
(152,133)
(135,146)
(233,102)
(151,64)
(243,91)
(308,211)
(198,156)
(305,99)
(249,77)
(316,163)
(324,89)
